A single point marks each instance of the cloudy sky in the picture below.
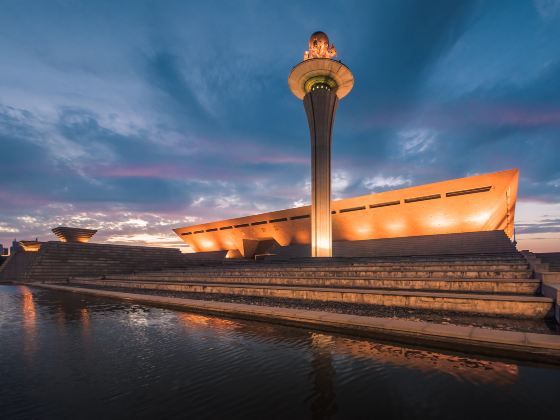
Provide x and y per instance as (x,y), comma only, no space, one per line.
(134,117)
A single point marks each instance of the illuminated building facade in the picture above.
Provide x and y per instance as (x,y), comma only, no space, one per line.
(321,82)
(477,203)
(70,234)
(31,246)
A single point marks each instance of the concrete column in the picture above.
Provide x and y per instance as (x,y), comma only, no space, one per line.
(320,105)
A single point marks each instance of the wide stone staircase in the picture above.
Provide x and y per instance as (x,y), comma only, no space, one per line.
(17,265)
(57,261)
(499,284)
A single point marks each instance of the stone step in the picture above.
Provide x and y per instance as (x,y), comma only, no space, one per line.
(486,304)
(297,264)
(213,269)
(419,257)
(442,274)
(342,267)
(377,267)
(515,255)
(512,286)
(469,257)
(56,261)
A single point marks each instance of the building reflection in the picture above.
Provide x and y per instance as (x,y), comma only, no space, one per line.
(461,367)
(138,316)
(196,321)
(85,318)
(61,318)
(324,348)
(29,323)
(85,321)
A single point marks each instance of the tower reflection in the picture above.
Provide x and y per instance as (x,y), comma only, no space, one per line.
(323,404)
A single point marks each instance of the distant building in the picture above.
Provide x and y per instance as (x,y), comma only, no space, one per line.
(31,246)
(70,234)
(16,246)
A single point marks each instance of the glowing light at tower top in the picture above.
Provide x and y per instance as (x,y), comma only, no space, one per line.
(319,47)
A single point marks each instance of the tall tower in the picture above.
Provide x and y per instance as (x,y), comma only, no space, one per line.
(321,82)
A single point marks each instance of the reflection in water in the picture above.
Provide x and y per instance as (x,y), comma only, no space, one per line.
(194,321)
(461,367)
(153,363)
(29,322)
(86,327)
(84,316)
(61,318)
(323,404)
(29,313)
(138,317)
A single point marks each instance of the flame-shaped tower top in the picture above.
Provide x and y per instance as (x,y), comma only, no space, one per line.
(319,47)
(318,69)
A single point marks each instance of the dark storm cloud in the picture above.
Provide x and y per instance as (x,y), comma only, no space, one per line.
(182,109)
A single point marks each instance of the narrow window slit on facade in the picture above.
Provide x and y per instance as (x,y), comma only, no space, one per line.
(283,219)
(471,191)
(186,233)
(226,227)
(386,204)
(333,212)
(352,209)
(198,231)
(424,198)
(212,230)
(303,216)
(262,222)
(242,225)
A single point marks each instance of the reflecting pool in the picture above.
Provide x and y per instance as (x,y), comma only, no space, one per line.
(67,355)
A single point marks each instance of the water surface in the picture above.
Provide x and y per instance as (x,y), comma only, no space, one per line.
(66,355)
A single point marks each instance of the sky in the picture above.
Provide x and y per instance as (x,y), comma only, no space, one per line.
(135,117)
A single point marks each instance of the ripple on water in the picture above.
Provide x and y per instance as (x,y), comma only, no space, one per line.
(66,353)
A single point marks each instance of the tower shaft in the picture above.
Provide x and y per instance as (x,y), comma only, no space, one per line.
(320,106)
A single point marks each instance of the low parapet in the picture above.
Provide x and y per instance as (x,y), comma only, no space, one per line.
(71,234)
